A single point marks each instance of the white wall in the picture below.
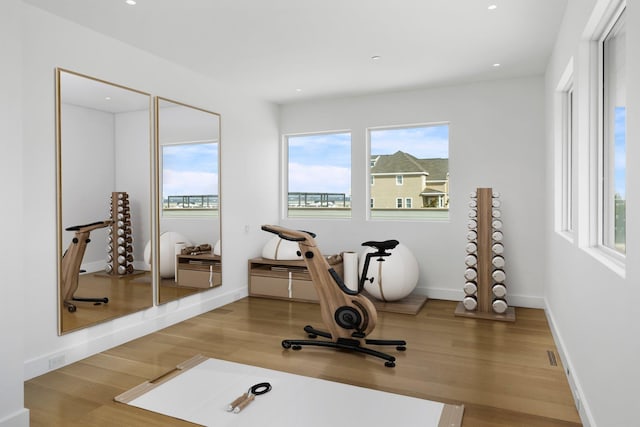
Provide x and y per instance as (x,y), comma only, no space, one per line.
(593,310)
(249,133)
(86,186)
(132,164)
(12,328)
(496,140)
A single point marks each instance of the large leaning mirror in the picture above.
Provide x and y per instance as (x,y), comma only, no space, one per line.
(188,148)
(103,156)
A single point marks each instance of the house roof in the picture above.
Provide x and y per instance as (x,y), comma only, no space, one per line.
(404,163)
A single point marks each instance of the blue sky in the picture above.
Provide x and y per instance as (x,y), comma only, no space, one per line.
(620,154)
(189,169)
(425,142)
(322,162)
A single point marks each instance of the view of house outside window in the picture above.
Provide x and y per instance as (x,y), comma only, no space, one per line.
(190,179)
(409,172)
(319,175)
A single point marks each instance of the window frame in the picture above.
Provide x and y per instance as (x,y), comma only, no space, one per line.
(203,212)
(566,113)
(605,227)
(408,202)
(284,170)
(444,216)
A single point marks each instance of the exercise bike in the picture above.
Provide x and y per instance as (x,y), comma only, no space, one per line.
(71,261)
(348,314)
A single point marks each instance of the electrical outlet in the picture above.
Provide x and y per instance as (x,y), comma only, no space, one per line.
(56,362)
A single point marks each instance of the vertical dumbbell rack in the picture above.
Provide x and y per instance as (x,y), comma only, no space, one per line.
(120,239)
(485,290)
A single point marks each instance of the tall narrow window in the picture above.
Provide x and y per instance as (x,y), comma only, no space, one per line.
(319,175)
(568,124)
(613,148)
(410,165)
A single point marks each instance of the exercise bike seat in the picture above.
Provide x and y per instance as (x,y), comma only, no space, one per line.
(382,246)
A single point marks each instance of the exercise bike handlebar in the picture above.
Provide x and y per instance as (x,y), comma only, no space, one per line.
(288,234)
(90,227)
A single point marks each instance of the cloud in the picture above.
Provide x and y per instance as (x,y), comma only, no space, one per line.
(322,179)
(422,142)
(175,183)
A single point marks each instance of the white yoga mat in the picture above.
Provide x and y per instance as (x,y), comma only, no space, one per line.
(199,391)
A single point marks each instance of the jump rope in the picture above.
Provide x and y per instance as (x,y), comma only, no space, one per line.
(241,402)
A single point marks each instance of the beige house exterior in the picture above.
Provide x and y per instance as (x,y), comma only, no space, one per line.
(402,181)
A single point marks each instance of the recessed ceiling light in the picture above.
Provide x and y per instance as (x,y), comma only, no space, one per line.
(298,90)
(376,57)
(496,65)
(492,7)
(130,2)
(108,98)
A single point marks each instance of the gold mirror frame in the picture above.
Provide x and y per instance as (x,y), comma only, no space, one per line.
(187,220)
(91,130)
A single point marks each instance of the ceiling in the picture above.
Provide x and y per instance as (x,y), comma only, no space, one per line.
(285,51)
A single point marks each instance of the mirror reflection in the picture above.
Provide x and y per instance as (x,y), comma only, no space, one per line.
(189,256)
(104,199)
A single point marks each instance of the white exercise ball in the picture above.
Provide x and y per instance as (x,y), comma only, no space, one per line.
(394,278)
(281,249)
(217,249)
(167,258)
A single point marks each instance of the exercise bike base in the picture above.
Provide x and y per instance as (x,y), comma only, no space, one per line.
(346,344)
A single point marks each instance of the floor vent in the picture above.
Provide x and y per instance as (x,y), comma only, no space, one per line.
(552,358)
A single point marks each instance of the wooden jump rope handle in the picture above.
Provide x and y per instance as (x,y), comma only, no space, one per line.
(240,406)
(236,402)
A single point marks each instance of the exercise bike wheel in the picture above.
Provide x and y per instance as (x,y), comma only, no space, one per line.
(71,308)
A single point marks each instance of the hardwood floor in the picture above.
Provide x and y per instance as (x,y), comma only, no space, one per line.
(500,371)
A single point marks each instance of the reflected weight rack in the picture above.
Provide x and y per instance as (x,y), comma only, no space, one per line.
(485,289)
(120,239)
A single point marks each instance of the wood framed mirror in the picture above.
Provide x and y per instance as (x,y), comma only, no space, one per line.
(103,168)
(187,164)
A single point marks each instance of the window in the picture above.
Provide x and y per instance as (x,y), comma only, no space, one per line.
(319,175)
(190,179)
(409,163)
(567,153)
(612,160)
(566,112)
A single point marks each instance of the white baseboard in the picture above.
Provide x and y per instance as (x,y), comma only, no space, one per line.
(17,419)
(574,383)
(98,266)
(119,331)
(457,295)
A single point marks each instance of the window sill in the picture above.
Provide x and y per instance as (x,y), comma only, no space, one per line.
(567,235)
(609,259)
